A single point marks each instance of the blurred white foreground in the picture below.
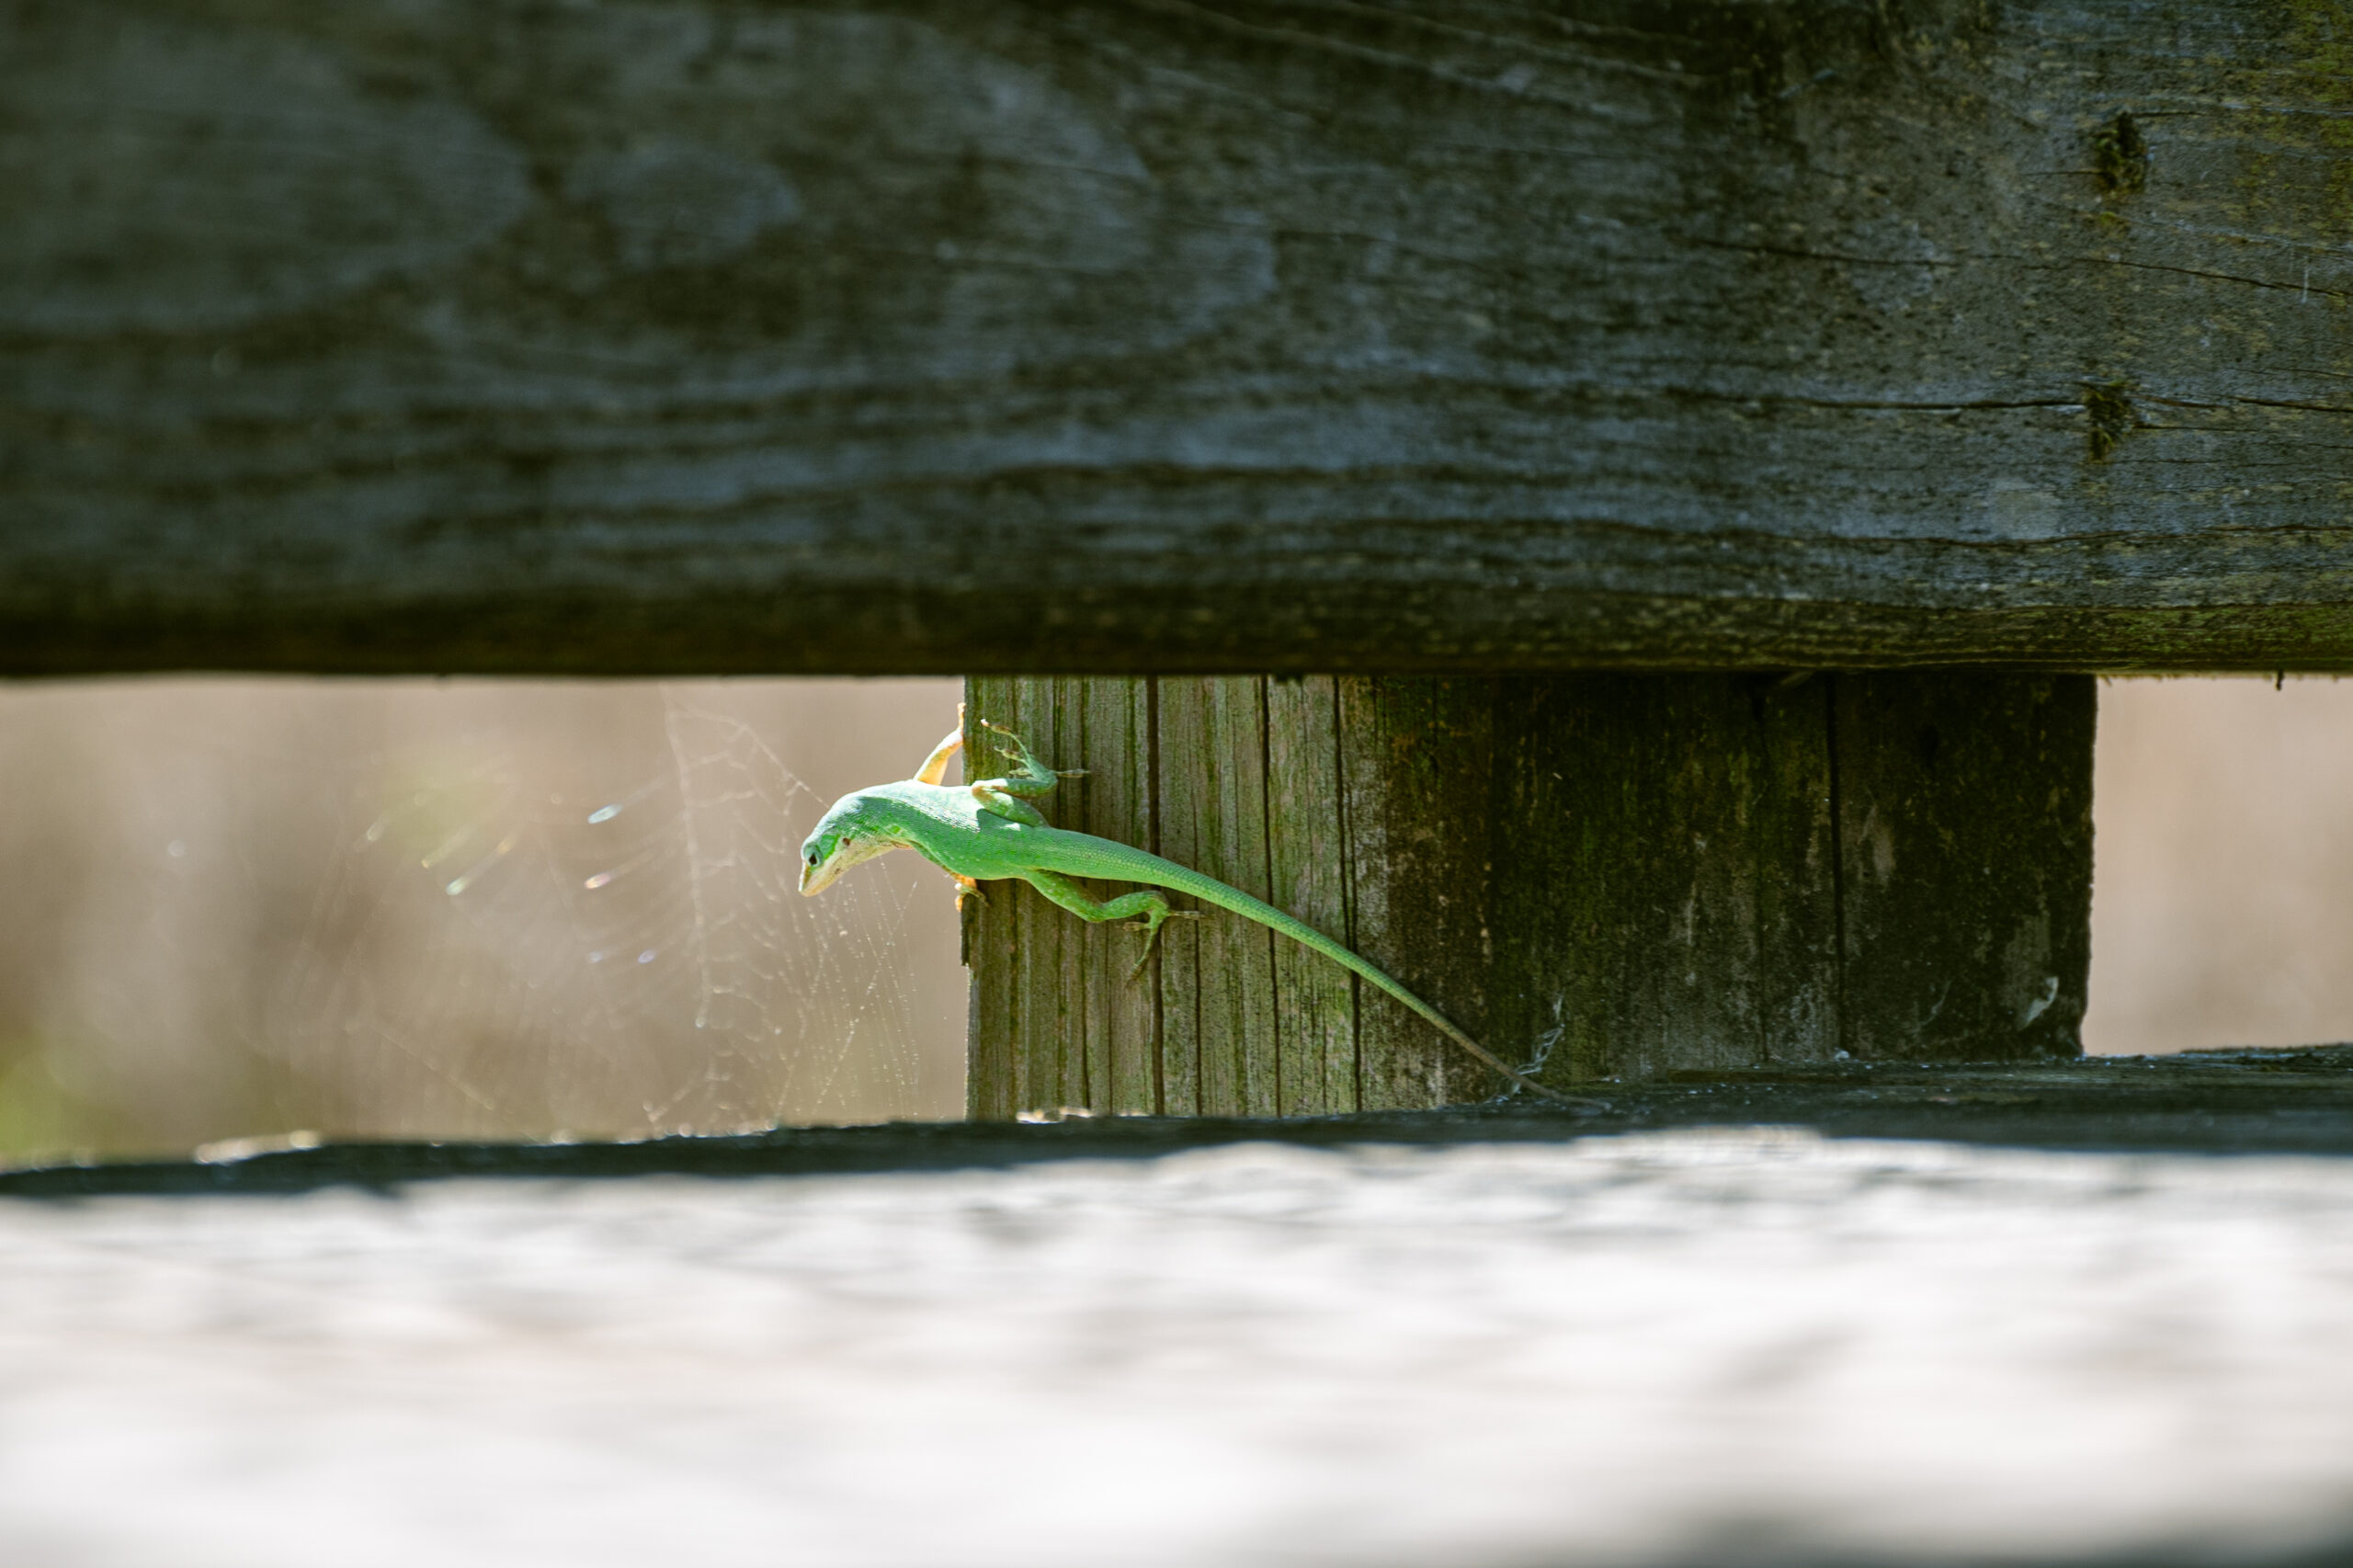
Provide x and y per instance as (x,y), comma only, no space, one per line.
(1726,1348)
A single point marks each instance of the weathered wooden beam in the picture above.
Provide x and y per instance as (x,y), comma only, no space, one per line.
(1616,877)
(1037,334)
(2274,1100)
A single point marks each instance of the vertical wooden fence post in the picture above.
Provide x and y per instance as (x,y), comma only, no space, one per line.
(1607,876)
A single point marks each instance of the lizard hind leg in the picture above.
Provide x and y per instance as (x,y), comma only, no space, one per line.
(1148,906)
(1155,913)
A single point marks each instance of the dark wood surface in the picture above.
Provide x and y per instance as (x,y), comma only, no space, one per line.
(1609,876)
(2295,1101)
(1031,334)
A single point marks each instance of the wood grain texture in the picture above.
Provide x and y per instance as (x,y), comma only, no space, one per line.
(1057,990)
(993,952)
(1667,896)
(1218,975)
(1610,877)
(1965,838)
(1117,796)
(1307,852)
(1416,758)
(1262,335)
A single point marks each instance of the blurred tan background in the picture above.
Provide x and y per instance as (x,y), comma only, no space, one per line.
(410,908)
(2222,886)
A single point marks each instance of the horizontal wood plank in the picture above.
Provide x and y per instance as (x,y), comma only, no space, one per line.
(1262,335)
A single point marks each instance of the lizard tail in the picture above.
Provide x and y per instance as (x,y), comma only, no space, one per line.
(1145,867)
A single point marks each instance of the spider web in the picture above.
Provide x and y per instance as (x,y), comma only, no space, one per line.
(469,909)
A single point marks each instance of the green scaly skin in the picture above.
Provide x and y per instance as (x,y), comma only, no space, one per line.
(989,831)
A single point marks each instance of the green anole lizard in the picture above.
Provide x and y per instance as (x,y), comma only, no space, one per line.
(989,830)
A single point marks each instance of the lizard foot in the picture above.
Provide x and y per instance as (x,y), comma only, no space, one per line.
(1150,925)
(1017,751)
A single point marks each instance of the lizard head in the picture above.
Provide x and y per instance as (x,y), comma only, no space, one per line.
(843,838)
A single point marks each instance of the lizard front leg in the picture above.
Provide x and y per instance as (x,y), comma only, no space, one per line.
(1010,796)
(1146,902)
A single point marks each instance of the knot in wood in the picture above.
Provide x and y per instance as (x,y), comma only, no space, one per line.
(2120,155)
